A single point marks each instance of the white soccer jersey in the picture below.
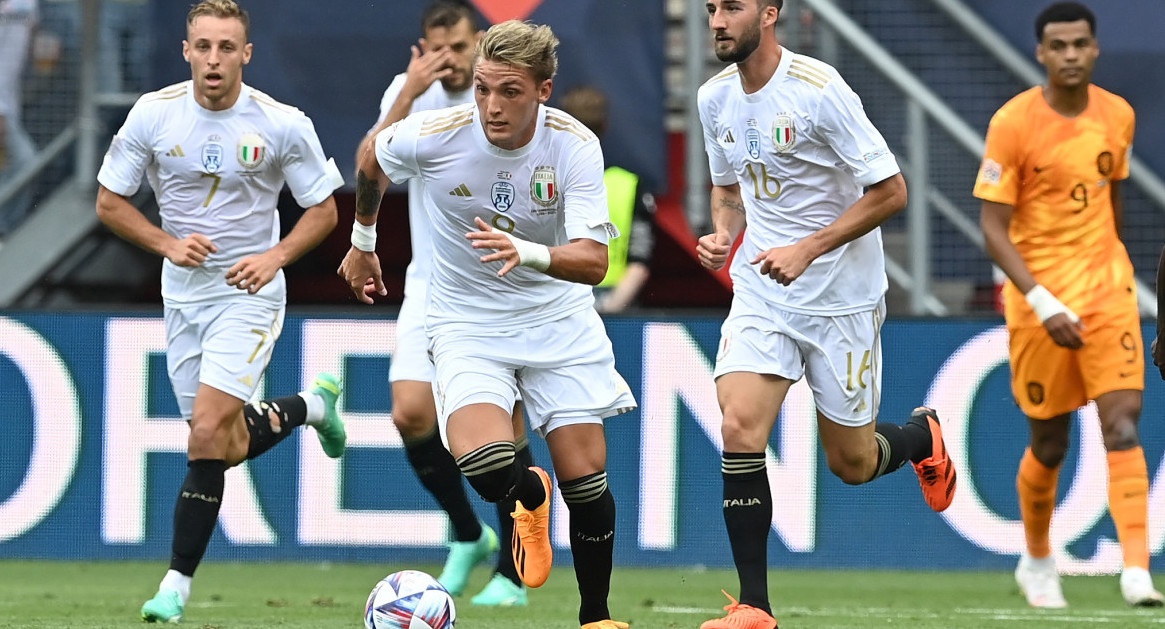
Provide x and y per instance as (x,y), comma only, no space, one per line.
(801,149)
(549,191)
(219,174)
(436,97)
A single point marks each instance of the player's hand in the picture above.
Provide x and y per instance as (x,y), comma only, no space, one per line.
(191,250)
(361,270)
(1158,352)
(1064,331)
(783,264)
(425,69)
(254,272)
(504,248)
(713,250)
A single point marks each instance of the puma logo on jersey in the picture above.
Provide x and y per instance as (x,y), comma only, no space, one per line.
(460,191)
(176,151)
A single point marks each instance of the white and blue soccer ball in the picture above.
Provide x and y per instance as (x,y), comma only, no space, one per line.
(409,599)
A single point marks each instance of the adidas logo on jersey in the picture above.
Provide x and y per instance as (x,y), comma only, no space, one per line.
(728,139)
(460,191)
(176,152)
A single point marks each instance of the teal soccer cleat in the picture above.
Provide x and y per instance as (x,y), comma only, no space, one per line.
(333,437)
(166,606)
(463,556)
(501,592)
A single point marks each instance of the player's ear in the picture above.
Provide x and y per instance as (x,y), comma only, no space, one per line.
(544,90)
(247,50)
(186,50)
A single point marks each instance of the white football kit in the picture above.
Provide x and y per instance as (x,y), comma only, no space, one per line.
(802,149)
(493,338)
(219,174)
(410,358)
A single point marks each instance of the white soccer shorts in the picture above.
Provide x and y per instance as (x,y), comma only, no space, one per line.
(840,357)
(564,372)
(410,359)
(223,345)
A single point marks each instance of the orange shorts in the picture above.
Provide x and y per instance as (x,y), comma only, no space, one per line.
(1048,380)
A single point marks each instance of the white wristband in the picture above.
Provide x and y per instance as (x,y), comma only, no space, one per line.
(364,236)
(531,254)
(1046,305)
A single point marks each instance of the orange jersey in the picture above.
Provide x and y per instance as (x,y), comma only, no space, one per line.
(1056,172)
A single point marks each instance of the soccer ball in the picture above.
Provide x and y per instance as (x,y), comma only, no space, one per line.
(409,599)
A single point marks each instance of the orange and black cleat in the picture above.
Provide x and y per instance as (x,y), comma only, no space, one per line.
(741,616)
(936,473)
(533,554)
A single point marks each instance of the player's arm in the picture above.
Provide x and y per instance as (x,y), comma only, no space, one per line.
(581,260)
(254,272)
(1062,324)
(361,266)
(881,201)
(127,221)
(728,220)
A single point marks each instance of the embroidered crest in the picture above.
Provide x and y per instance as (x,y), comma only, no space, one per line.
(252,150)
(752,142)
(502,195)
(991,172)
(784,133)
(544,186)
(212,154)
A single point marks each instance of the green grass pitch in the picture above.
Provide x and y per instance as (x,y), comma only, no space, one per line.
(101,595)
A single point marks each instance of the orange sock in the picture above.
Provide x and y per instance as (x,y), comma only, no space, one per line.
(1036,485)
(1128,502)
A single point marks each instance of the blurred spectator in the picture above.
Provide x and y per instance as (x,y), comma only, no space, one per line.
(17,19)
(632,211)
(123,46)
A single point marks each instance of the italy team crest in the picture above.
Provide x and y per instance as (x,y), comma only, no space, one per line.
(252,150)
(502,195)
(544,186)
(784,132)
(212,154)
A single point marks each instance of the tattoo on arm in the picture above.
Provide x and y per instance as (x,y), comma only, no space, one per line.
(367,195)
(735,206)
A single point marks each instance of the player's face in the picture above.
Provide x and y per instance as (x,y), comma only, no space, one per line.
(508,99)
(736,27)
(217,50)
(460,40)
(1069,51)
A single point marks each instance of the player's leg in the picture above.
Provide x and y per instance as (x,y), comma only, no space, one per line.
(1047,386)
(415,416)
(505,588)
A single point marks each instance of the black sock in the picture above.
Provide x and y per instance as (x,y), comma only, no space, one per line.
(897,445)
(439,474)
(748,515)
(506,521)
(196,513)
(592,542)
(271,421)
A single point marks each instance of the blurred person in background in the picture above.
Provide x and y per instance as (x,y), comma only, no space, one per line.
(440,75)
(18,19)
(1051,216)
(217,153)
(632,211)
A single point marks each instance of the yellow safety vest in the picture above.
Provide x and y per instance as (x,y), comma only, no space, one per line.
(621,187)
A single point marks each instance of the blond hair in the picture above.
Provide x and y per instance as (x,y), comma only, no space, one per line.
(521,44)
(223,9)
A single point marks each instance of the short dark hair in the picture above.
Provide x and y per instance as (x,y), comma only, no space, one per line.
(1064,12)
(447,14)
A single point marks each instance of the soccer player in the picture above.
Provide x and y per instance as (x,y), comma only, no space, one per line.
(439,75)
(520,229)
(217,152)
(632,211)
(1050,185)
(791,149)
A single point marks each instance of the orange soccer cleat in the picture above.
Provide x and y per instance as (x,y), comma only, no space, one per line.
(741,616)
(533,554)
(936,473)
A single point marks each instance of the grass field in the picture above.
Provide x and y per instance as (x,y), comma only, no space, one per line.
(325,596)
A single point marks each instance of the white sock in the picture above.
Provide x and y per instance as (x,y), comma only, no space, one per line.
(315,407)
(178,582)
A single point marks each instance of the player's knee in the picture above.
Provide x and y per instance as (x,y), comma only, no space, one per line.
(1121,435)
(412,423)
(740,434)
(1050,449)
(491,470)
(851,467)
